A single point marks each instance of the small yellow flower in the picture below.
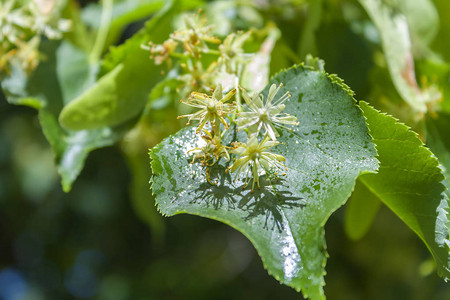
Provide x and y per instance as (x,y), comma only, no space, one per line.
(205,152)
(265,115)
(254,158)
(211,109)
(210,150)
(161,53)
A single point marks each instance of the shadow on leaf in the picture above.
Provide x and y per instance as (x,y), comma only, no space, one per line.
(268,201)
(220,194)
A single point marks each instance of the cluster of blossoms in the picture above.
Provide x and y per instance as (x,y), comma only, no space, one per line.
(22,23)
(215,113)
(189,44)
(214,93)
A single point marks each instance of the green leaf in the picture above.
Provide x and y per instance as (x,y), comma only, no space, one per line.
(284,219)
(361,209)
(71,148)
(121,94)
(394,31)
(409,182)
(63,75)
(438,139)
(74,72)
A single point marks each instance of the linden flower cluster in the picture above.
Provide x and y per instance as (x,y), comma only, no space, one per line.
(190,43)
(22,22)
(252,158)
(213,91)
(194,38)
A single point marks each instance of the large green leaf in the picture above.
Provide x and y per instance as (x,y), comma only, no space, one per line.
(284,219)
(409,182)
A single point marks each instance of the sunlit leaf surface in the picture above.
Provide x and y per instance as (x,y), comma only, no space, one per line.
(284,219)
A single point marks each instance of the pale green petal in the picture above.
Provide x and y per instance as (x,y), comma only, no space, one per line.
(271,131)
(272,92)
(265,164)
(287,119)
(246,122)
(218,95)
(228,96)
(275,110)
(257,100)
(248,100)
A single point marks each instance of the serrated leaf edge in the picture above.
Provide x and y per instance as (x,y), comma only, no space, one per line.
(420,144)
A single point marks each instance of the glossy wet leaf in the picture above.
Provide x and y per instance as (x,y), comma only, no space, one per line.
(409,182)
(284,219)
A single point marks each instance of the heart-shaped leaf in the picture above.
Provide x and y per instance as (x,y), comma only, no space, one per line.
(284,219)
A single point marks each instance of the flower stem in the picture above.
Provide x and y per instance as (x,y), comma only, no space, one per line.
(237,83)
(102,33)
(210,51)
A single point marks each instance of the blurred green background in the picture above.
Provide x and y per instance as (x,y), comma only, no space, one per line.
(94,243)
